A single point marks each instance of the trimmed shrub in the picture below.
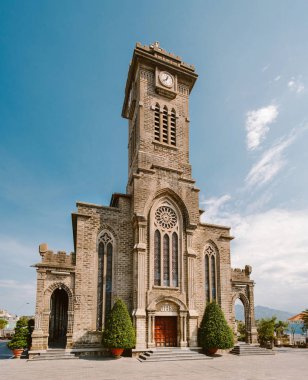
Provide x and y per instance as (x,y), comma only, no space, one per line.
(214,331)
(119,331)
(21,336)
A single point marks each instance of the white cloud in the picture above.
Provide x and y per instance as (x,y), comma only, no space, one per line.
(257,125)
(271,162)
(265,68)
(214,206)
(275,243)
(296,85)
(278,77)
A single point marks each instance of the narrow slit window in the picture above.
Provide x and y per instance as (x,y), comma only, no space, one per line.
(166,261)
(207,278)
(213,278)
(175,241)
(157,258)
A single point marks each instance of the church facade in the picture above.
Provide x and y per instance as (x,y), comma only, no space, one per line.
(148,247)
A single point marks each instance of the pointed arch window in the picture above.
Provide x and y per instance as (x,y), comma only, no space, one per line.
(164,125)
(104,277)
(210,274)
(166,247)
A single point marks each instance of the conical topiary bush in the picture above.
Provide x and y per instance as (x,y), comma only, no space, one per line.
(214,332)
(119,331)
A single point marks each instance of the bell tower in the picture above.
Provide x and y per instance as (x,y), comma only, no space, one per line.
(164,199)
(157,106)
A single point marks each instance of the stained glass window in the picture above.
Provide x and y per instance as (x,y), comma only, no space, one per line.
(166,261)
(210,274)
(157,258)
(104,277)
(175,243)
(213,278)
(207,277)
(166,246)
(100,285)
(108,279)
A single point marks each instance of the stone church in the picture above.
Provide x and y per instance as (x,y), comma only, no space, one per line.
(148,247)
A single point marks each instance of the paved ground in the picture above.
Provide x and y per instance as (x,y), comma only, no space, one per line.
(286,364)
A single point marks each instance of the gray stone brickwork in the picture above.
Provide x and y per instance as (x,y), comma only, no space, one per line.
(159,176)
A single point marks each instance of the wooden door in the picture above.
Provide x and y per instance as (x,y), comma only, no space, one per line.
(166,331)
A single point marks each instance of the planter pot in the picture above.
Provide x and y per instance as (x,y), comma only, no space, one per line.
(17,352)
(117,352)
(211,351)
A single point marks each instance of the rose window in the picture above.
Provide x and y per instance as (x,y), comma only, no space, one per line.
(165,217)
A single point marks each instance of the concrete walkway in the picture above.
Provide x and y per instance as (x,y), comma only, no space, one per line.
(286,364)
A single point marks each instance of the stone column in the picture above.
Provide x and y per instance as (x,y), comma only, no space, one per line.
(183,329)
(69,334)
(191,291)
(253,335)
(151,329)
(139,252)
(38,333)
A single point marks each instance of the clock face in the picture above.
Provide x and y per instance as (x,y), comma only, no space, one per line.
(166,79)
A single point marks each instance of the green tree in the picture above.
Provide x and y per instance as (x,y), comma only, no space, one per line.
(241,329)
(266,331)
(214,331)
(21,335)
(305,318)
(279,328)
(3,323)
(119,331)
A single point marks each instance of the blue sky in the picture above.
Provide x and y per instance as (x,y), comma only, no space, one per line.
(63,68)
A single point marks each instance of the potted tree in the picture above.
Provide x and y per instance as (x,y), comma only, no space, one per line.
(214,332)
(119,333)
(20,338)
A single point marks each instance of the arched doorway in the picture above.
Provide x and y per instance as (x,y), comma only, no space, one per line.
(58,319)
(240,320)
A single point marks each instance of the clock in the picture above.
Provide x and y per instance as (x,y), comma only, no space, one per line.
(166,79)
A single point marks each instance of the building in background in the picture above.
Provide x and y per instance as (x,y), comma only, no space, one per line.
(11,319)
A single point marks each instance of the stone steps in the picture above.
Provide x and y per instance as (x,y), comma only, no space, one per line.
(171,354)
(55,354)
(248,349)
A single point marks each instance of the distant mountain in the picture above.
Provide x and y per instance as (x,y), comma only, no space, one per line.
(263,312)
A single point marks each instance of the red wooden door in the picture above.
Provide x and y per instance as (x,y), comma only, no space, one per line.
(166,331)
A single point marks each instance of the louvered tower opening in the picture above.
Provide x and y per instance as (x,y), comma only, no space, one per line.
(165,125)
(173,128)
(157,123)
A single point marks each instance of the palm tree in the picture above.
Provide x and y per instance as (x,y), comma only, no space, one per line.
(280,326)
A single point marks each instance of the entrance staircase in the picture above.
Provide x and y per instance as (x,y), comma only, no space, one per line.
(171,354)
(55,354)
(250,349)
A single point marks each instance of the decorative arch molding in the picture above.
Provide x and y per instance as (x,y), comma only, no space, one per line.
(212,244)
(181,305)
(243,298)
(106,228)
(58,285)
(174,198)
